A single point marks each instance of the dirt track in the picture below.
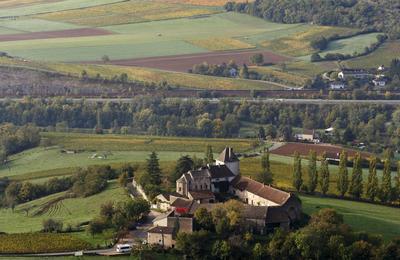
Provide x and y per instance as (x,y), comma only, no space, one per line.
(182,63)
(54,34)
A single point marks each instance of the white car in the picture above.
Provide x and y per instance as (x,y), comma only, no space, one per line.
(124,248)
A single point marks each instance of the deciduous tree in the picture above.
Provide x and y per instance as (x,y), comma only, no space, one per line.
(312,172)
(372,187)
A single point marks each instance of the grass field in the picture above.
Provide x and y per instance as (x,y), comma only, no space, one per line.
(46,7)
(298,44)
(42,163)
(35,25)
(70,211)
(371,218)
(221,44)
(284,77)
(383,55)
(127,12)
(351,45)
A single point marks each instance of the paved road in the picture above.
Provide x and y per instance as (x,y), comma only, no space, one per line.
(260,100)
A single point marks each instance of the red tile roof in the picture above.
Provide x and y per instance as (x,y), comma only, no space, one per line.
(264,191)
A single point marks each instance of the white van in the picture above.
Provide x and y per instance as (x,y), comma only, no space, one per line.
(124,248)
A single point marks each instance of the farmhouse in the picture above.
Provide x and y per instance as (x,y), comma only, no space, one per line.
(307,136)
(338,85)
(264,207)
(354,73)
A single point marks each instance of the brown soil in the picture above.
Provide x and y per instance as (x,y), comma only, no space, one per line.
(304,149)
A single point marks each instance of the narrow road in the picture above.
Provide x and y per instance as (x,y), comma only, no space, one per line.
(239,100)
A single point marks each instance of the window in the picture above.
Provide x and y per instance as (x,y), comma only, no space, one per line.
(201,186)
(180,189)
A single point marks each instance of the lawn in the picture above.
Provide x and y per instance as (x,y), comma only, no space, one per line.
(360,216)
(70,211)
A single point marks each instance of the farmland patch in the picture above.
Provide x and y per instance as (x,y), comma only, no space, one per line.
(183,63)
(127,12)
(46,7)
(221,44)
(290,148)
(36,25)
(54,34)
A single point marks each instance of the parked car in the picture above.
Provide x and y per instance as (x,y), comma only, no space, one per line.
(124,248)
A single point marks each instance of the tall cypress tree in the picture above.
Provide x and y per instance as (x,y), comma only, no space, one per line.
(372,189)
(297,174)
(324,175)
(386,187)
(266,174)
(312,172)
(209,155)
(356,186)
(153,169)
(397,182)
(343,175)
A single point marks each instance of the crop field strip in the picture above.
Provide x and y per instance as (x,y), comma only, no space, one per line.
(46,7)
(128,12)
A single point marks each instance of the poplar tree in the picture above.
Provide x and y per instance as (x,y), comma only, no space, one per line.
(372,189)
(386,187)
(343,175)
(356,186)
(397,182)
(266,174)
(324,175)
(312,172)
(209,155)
(153,169)
(297,178)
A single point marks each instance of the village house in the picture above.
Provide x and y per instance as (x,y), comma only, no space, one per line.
(354,73)
(337,85)
(307,136)
(264,207)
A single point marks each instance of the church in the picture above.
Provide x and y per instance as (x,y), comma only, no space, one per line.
(264,207)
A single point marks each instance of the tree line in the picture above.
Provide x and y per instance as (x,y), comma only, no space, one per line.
(14,139)
(367,15)
(386,191)
(375,125)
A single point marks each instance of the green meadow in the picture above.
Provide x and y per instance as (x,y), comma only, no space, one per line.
(52,7)
(376,219)
(71,211)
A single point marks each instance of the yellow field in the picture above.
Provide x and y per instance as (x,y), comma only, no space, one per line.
(299,44)
(204,2)
(284,77)
(221,44)
(16,3)
(126,12)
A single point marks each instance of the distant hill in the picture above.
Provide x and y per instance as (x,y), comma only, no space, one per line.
(379,15)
